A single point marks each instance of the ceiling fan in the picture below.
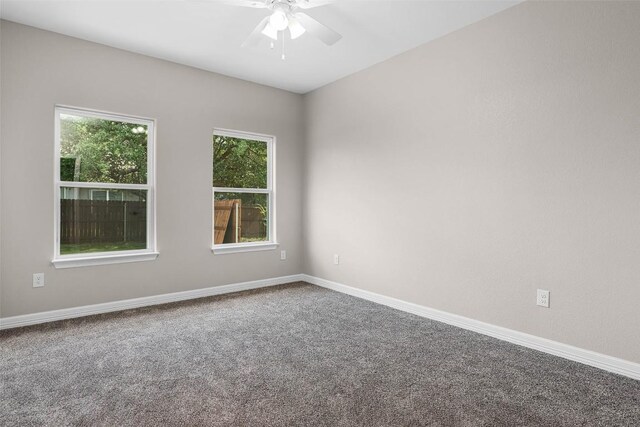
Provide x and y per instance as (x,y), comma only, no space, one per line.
(286,15)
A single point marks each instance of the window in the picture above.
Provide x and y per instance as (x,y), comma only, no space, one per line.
(104,176)
(243,192)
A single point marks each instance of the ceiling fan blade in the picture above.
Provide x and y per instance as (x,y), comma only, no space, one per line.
(308,4)
(256,35)
(321,31)
(257,4)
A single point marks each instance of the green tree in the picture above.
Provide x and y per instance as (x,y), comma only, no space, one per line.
(239,163)
(102,151)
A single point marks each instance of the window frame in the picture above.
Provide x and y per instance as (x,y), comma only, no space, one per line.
(270,191)
(110,257)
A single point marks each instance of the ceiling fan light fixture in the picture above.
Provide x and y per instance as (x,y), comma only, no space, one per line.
(295,28)
(270,31)
(285,15)
(279,20)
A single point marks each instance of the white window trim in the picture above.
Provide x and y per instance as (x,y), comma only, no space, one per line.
(272,242)
(100,258)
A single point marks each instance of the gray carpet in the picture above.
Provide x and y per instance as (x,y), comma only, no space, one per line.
(293,355)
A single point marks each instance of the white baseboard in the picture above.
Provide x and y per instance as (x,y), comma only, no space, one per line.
(87,310)
(587,357)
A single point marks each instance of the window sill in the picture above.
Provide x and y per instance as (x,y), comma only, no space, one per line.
(246,247)
(103,259)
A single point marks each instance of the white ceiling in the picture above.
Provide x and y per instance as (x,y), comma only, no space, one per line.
(207,34)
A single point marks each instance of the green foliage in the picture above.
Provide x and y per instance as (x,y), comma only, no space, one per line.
(102,151)
(67,169)
(239,163)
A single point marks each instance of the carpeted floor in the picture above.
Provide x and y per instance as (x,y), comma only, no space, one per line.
(293,355)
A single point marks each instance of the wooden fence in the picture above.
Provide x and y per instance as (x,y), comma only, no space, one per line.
(100,221)
(234,222)
(253,222)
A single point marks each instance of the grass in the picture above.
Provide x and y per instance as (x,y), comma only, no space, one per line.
(83,248)
(252,239)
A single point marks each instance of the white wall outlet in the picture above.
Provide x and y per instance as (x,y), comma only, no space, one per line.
(38,280)
(336,259)
(543,298)
(283,255)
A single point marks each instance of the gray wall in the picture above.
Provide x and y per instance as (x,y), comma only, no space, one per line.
(461,175)
(41,69)
(499,159)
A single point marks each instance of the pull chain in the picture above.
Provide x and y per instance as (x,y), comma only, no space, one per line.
(283,56)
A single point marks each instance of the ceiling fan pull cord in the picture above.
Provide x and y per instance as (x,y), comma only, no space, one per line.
(283,34)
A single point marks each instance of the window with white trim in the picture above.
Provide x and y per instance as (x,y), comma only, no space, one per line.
(104,184)
(243,192)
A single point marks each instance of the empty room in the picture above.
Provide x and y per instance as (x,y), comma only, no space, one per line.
(319,213)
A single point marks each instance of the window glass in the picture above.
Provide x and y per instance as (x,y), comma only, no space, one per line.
(239,163)
(99,150)
(91,223)
(241,217)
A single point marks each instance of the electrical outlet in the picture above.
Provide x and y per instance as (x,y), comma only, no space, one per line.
(543,298)
(336,259)
(38,280)
(283,255)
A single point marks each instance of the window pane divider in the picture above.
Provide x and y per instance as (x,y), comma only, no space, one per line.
(103,185)
(242,190)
